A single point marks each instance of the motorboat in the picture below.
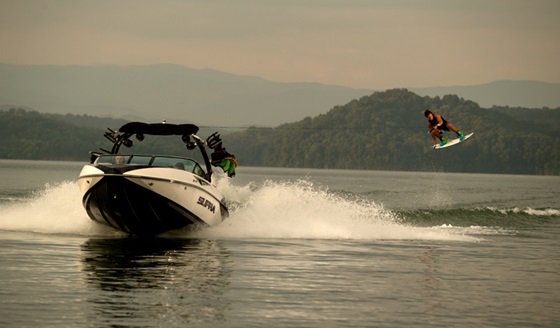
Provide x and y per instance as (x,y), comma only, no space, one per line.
(145,195)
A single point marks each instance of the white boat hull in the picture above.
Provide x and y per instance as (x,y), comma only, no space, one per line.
(150,200)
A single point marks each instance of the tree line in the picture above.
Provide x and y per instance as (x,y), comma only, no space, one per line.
(383,131)
(387,131)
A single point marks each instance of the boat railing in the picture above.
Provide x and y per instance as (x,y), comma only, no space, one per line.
(181,163)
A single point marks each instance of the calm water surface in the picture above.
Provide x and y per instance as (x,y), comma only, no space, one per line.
(302,248)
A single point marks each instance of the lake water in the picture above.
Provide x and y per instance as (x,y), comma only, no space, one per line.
(302,248)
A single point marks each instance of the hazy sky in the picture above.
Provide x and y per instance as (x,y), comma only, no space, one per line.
(359,43)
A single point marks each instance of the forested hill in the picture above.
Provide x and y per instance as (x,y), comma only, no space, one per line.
(32,135)
(383,131)
(387,131)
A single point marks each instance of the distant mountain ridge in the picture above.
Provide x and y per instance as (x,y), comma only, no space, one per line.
(214,98)
(528,94)
(172,92)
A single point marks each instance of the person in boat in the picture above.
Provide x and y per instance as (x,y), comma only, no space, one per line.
(119,159)
(220,157)
(437,124)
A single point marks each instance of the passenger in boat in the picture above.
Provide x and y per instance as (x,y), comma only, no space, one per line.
(198,171)
(437,124)
(179,166)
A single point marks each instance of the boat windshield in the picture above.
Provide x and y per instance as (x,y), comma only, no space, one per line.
(181,163)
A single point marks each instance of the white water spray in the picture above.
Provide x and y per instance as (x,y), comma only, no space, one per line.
(283,210)
(56,209)
(301,210)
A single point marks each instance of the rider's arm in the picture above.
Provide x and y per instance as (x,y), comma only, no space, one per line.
(439,119)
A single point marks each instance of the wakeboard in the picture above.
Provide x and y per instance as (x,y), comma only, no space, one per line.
(453,142)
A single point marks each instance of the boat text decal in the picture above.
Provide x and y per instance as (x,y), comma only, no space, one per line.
(206,203)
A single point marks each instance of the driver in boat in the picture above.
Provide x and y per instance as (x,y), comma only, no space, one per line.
(197,170)
(437,124)
(119,159)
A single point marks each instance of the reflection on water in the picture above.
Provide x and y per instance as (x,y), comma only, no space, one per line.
(139,282)
(431,280)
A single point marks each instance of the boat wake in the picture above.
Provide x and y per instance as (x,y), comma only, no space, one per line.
(284,210)
(301,210)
